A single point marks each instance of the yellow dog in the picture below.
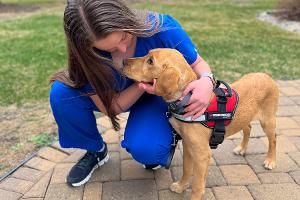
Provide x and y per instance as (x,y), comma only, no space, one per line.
(258,99)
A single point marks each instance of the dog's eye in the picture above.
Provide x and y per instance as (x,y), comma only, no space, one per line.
(150,61)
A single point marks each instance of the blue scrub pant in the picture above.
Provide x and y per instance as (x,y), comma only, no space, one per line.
(148,134)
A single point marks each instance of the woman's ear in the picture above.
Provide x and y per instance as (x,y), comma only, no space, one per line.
(167,83)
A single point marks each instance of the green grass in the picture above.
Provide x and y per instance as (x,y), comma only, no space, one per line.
(227,35)
(17,147)
(29,2)
(31,49)
(43,139)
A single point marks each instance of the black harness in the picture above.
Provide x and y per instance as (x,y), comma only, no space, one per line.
(176,108)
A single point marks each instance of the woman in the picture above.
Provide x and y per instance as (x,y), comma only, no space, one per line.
(100,34)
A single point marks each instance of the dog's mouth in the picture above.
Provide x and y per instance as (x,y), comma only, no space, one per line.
(150,82)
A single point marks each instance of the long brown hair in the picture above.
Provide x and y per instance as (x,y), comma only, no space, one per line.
(86,21)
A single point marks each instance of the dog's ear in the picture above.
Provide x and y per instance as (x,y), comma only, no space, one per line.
(167,83)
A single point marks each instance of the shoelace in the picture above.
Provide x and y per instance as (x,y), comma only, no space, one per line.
(86,160)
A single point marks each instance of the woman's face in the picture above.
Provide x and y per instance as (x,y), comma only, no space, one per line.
(116,42)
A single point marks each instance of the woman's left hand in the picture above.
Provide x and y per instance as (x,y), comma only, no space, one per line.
(201,93)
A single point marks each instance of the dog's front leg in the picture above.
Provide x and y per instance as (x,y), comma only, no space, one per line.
(201,158)
(183,183)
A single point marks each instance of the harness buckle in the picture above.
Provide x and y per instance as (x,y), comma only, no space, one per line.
(176,138)
(168,114)
(173,105)
(174,144)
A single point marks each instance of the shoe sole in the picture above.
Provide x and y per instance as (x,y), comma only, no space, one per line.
(100,163)
(154,168)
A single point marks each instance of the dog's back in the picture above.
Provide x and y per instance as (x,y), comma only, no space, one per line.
(258,99)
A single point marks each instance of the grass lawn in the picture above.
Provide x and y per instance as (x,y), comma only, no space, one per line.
(226,33)
(29,2)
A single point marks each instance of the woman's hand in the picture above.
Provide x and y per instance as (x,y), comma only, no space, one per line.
(148,87)
(202,90)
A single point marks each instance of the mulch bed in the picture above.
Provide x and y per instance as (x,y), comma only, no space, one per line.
(286,15)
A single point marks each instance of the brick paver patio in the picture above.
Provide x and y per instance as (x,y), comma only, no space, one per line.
(230,176)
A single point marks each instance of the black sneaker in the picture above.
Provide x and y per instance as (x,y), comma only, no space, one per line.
(152,167)
(82,171)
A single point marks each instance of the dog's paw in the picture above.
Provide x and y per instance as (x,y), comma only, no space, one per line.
(178,188)
(239,150)
(269,163)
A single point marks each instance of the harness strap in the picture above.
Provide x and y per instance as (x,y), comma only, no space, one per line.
(218,132)
(176,138)
(178,106)
(201,118)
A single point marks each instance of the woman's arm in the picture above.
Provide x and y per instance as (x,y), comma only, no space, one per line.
(200,66)
(124,101)
(202,90)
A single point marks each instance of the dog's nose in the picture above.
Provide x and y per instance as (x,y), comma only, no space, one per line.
(125,62)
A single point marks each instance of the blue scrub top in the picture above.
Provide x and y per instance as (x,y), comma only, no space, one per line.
(170,35)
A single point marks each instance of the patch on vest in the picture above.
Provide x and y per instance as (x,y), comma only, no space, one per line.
(213,114)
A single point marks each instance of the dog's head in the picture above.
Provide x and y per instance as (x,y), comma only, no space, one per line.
(167,66)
